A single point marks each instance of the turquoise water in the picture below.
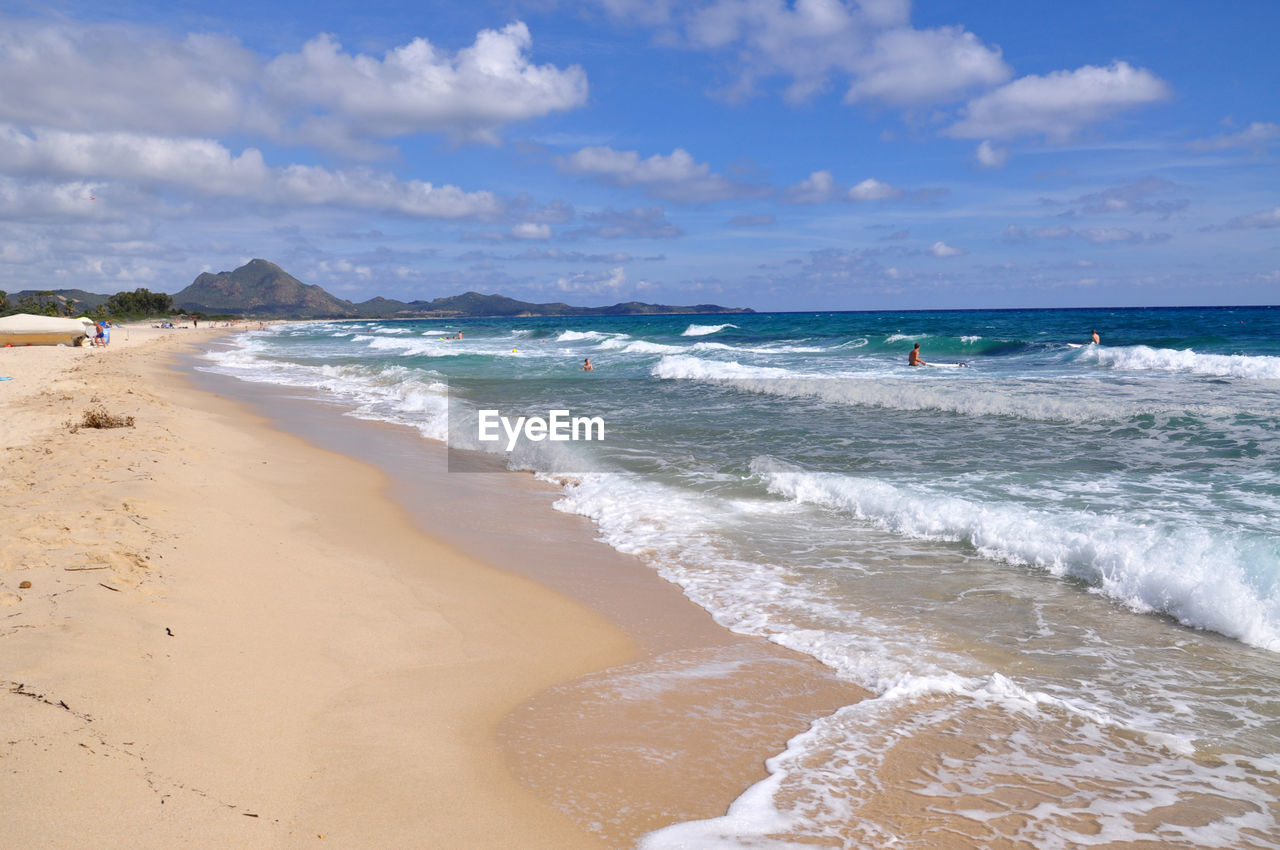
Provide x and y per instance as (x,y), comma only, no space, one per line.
(1067,555)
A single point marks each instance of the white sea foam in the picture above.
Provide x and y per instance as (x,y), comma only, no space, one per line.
(900,337)
(579,336)
(704,330)
(1206,579)
(393,394)
(819,789)
(638,346)
(970,338)
(686,367)
(972,396)
(1142,358)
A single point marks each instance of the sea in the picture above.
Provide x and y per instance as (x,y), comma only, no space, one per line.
(1054,565)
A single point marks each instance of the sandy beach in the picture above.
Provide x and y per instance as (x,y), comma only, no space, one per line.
(208,643)
(219,634)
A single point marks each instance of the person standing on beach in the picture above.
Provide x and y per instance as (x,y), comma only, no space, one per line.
(913,359)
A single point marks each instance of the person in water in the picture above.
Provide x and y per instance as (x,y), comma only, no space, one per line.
(913,359)
(1097,340)
(586,365)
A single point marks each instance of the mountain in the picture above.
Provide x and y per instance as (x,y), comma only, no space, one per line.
(471,304)
(260,288)
(85,302)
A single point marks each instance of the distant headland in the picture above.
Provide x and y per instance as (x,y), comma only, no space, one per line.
(261,289)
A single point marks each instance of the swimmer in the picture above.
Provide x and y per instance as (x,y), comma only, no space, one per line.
(586,365)
(1096,339)
(913,359)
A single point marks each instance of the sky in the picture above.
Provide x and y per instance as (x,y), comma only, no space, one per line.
(802,155)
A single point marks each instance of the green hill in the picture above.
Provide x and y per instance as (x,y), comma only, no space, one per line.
(260,288)
(265,290)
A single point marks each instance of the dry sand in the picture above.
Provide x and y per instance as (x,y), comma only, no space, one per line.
(231,638)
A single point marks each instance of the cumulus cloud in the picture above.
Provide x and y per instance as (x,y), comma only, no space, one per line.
(942,249)
(990,156)
(418,87)
(611,282)
(1264,220)
(870,44)
(818,188)
(110,77)
(205,167)
(873,190)
(1258,135)
(1060,104)
(107,77)
(531,230)
(676,177)
(910,67)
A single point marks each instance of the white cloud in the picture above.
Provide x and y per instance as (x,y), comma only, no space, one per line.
(873,190)
(942,249)
(108,77)
(417,87)
(1258,135)
(677,177)
(990,156)
(871,44)
(1264,220)
(818,188)
(205,167)
(1060,104)
(909,66)
(611,282)
(531,230)
(126,78)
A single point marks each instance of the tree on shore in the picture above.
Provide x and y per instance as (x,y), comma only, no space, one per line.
(139,303)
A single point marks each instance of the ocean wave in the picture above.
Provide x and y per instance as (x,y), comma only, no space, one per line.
(1216,580)
(970,397)
(901,337)
(637,346)
(695,368)
(392,394)
(580,336)
(704,330)
(1145,359)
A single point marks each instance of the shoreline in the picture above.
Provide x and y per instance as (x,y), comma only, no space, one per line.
(587,744)
(234,679)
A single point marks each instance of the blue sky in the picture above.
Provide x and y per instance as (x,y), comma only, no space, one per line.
(812,155)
